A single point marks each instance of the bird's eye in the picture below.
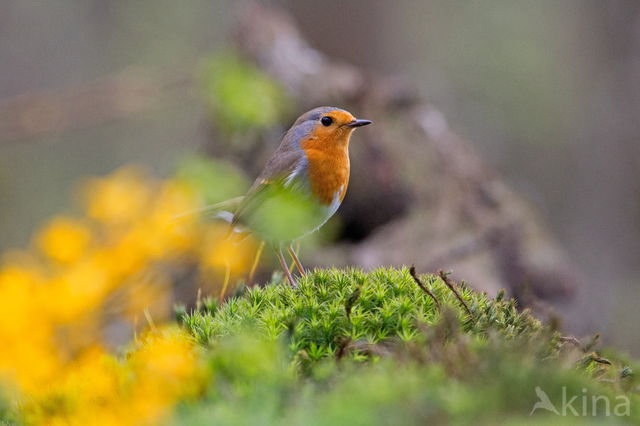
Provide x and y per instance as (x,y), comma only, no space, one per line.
(326,121)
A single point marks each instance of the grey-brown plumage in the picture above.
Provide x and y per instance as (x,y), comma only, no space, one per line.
(302,184)
(287,164)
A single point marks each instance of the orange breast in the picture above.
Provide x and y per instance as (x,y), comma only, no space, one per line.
(328,169)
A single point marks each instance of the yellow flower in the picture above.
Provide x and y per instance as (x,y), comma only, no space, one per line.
(96,388)
(125,255)
(175,228)
(174,202)
(111,265)
(165,355)
(82,391)
(221,250)
(166,369)
(28,357)
(64,239)
(79,289)
(119,198)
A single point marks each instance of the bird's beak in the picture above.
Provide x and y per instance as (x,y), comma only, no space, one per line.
(358,123)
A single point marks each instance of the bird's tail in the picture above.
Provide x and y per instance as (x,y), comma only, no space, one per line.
(223,210)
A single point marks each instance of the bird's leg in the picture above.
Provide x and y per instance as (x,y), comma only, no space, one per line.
(285,267)
(294,256)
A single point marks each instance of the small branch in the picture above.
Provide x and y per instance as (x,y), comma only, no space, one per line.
(351,300)
(343,346)
(600,360)
(592,343)
(424,288)
(593,357)
(444,277)
(572,340)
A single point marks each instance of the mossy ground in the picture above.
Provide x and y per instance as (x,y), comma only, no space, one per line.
(349,347)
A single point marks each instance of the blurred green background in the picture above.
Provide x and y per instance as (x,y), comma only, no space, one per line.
(548,91)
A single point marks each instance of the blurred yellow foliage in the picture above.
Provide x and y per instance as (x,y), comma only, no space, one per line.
(64,239)
(103,269)
(98,389)
(222,250)
(121,198)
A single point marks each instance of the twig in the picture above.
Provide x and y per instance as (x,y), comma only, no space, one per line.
(254,266)
(592,343)
(147,315)
(343,345)
(227,278)
(351,300)
(600,360)
(572,340)
(593,357)
(424,288)
(443,276)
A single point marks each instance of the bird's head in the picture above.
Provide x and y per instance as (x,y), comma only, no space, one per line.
(326,127)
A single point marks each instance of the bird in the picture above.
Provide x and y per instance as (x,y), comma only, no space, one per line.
(301,186)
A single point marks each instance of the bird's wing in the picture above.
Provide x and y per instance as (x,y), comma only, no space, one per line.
(283,168)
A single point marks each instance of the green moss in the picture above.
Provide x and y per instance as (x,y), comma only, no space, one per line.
(333,305)
(350,347)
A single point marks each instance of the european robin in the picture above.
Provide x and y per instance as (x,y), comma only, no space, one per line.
(303,182)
